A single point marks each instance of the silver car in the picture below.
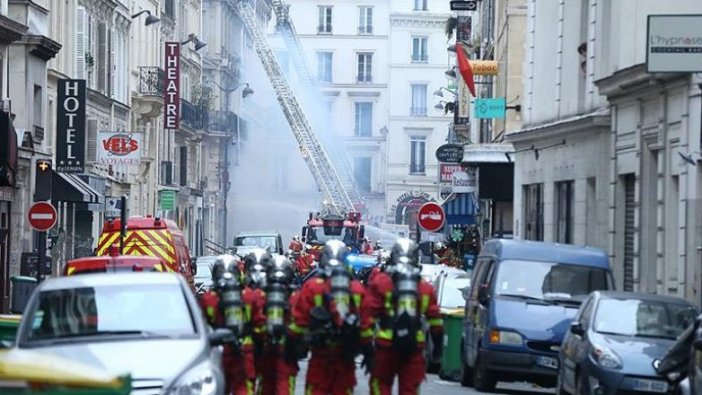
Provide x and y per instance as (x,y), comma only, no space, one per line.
(146,324)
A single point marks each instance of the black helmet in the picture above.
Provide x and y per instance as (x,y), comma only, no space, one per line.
(404,251)
(226,265)
(333,254)
(281,270)
(256,265)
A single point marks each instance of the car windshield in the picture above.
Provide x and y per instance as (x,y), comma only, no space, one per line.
(642,318)
(144,310)
(549,280)
(256,241)
(204,270)
(451,296)
(318,235)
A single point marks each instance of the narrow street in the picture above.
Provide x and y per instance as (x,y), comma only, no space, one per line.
(434,385)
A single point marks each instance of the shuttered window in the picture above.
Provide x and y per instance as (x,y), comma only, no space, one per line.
(80,42)
(183,165)
(91,149)
(102,56)
(629,231)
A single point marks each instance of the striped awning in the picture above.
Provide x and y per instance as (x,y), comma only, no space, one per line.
(67,187)
(461,209)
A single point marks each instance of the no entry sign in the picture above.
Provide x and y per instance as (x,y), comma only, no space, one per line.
(431,217)
(42,216)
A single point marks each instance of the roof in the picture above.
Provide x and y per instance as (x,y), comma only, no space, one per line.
(257,233)
(546,252)
(100,279)
(644,296)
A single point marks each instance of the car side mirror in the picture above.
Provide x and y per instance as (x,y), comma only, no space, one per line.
(483,294)
(221,336)
(576,328)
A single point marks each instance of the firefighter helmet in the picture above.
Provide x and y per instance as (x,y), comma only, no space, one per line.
(333,254)
(405,251)
(225,266)
(256,265)
(281,270)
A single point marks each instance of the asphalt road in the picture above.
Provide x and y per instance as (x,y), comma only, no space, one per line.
(434,385)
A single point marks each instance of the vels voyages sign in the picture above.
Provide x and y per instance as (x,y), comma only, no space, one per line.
(70,126)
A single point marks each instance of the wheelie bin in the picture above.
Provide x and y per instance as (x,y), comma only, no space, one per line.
(451,359)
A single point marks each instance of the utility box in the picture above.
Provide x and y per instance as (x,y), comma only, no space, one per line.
(22,288)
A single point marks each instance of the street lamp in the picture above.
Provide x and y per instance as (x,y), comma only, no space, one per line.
(193,38)
(441,94)
(246,92)
(150,18)
(451,73)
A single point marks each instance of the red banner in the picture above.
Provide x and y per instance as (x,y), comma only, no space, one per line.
(446,172)
(171,83)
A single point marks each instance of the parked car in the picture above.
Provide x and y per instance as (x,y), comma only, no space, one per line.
(523,297)
(617,340)
(203,273)
(146,324)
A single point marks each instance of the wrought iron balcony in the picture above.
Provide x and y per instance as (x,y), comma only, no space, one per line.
(222,121)
(151,80)
(192,115)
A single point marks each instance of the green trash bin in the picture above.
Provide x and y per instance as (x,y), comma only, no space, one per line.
(451,358)
(22,288)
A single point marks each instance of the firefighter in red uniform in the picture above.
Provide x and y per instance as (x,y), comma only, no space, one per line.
(303,264)
(256,265)
(328,311)
(296,245)
(398,300)
(229,306)
(278,374)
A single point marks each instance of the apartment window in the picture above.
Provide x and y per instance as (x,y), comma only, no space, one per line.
(533,198)
(365,67)
(418,153)
(419,49)
(324,66)
(325,20)
(365,20)
(363,119)
(564,212)
(420,5)
(362,173)
(419,100)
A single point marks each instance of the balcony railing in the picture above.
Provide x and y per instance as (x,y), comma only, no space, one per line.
(192,115)
(324,29)
(418,169)
(364,78)
(365,29)
(420,57)
(222,121)
(151,81)
(418,111)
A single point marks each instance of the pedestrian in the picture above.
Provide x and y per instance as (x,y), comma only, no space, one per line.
(278,373)
(327,310)
(398,301)
(225,307)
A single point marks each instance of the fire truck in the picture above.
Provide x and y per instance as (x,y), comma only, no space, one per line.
(321,228)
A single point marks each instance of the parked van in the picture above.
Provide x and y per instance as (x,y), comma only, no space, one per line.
(523,298)
(150,236)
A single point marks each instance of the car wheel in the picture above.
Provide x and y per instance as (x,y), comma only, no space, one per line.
(466,374)
(483,379)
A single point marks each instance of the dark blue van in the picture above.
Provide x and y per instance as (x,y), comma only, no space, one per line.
(523,298)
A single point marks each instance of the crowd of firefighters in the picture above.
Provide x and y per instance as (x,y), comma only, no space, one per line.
(332,316)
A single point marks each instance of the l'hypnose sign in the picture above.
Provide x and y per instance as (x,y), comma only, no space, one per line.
(674,44)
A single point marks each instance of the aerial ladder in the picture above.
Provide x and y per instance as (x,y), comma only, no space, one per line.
(314,155)
(286,29)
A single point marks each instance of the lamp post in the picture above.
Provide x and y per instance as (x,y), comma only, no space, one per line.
(246,92)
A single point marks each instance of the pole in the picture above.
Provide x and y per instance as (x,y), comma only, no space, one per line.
(123,223)
(42,255)
(226,169)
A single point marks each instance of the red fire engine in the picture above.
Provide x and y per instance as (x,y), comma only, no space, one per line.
(321,228)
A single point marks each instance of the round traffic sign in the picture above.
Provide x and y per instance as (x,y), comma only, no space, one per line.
(42,216)
(431,216)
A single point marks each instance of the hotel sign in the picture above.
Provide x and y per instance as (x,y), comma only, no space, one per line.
(70,126)
(171,92)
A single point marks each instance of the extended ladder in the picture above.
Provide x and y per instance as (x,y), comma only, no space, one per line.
(286,28)
(312,152)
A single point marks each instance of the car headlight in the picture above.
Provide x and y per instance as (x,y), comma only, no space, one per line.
(506,337)
(199,380)
(606,358)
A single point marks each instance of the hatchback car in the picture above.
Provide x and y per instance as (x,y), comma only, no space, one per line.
(146,324)
(616,341)
(203,275)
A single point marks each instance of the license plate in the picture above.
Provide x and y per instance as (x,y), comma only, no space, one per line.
(650,385)
(549,362)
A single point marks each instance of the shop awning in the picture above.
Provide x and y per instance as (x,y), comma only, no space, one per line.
(67,187)
(461,209)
